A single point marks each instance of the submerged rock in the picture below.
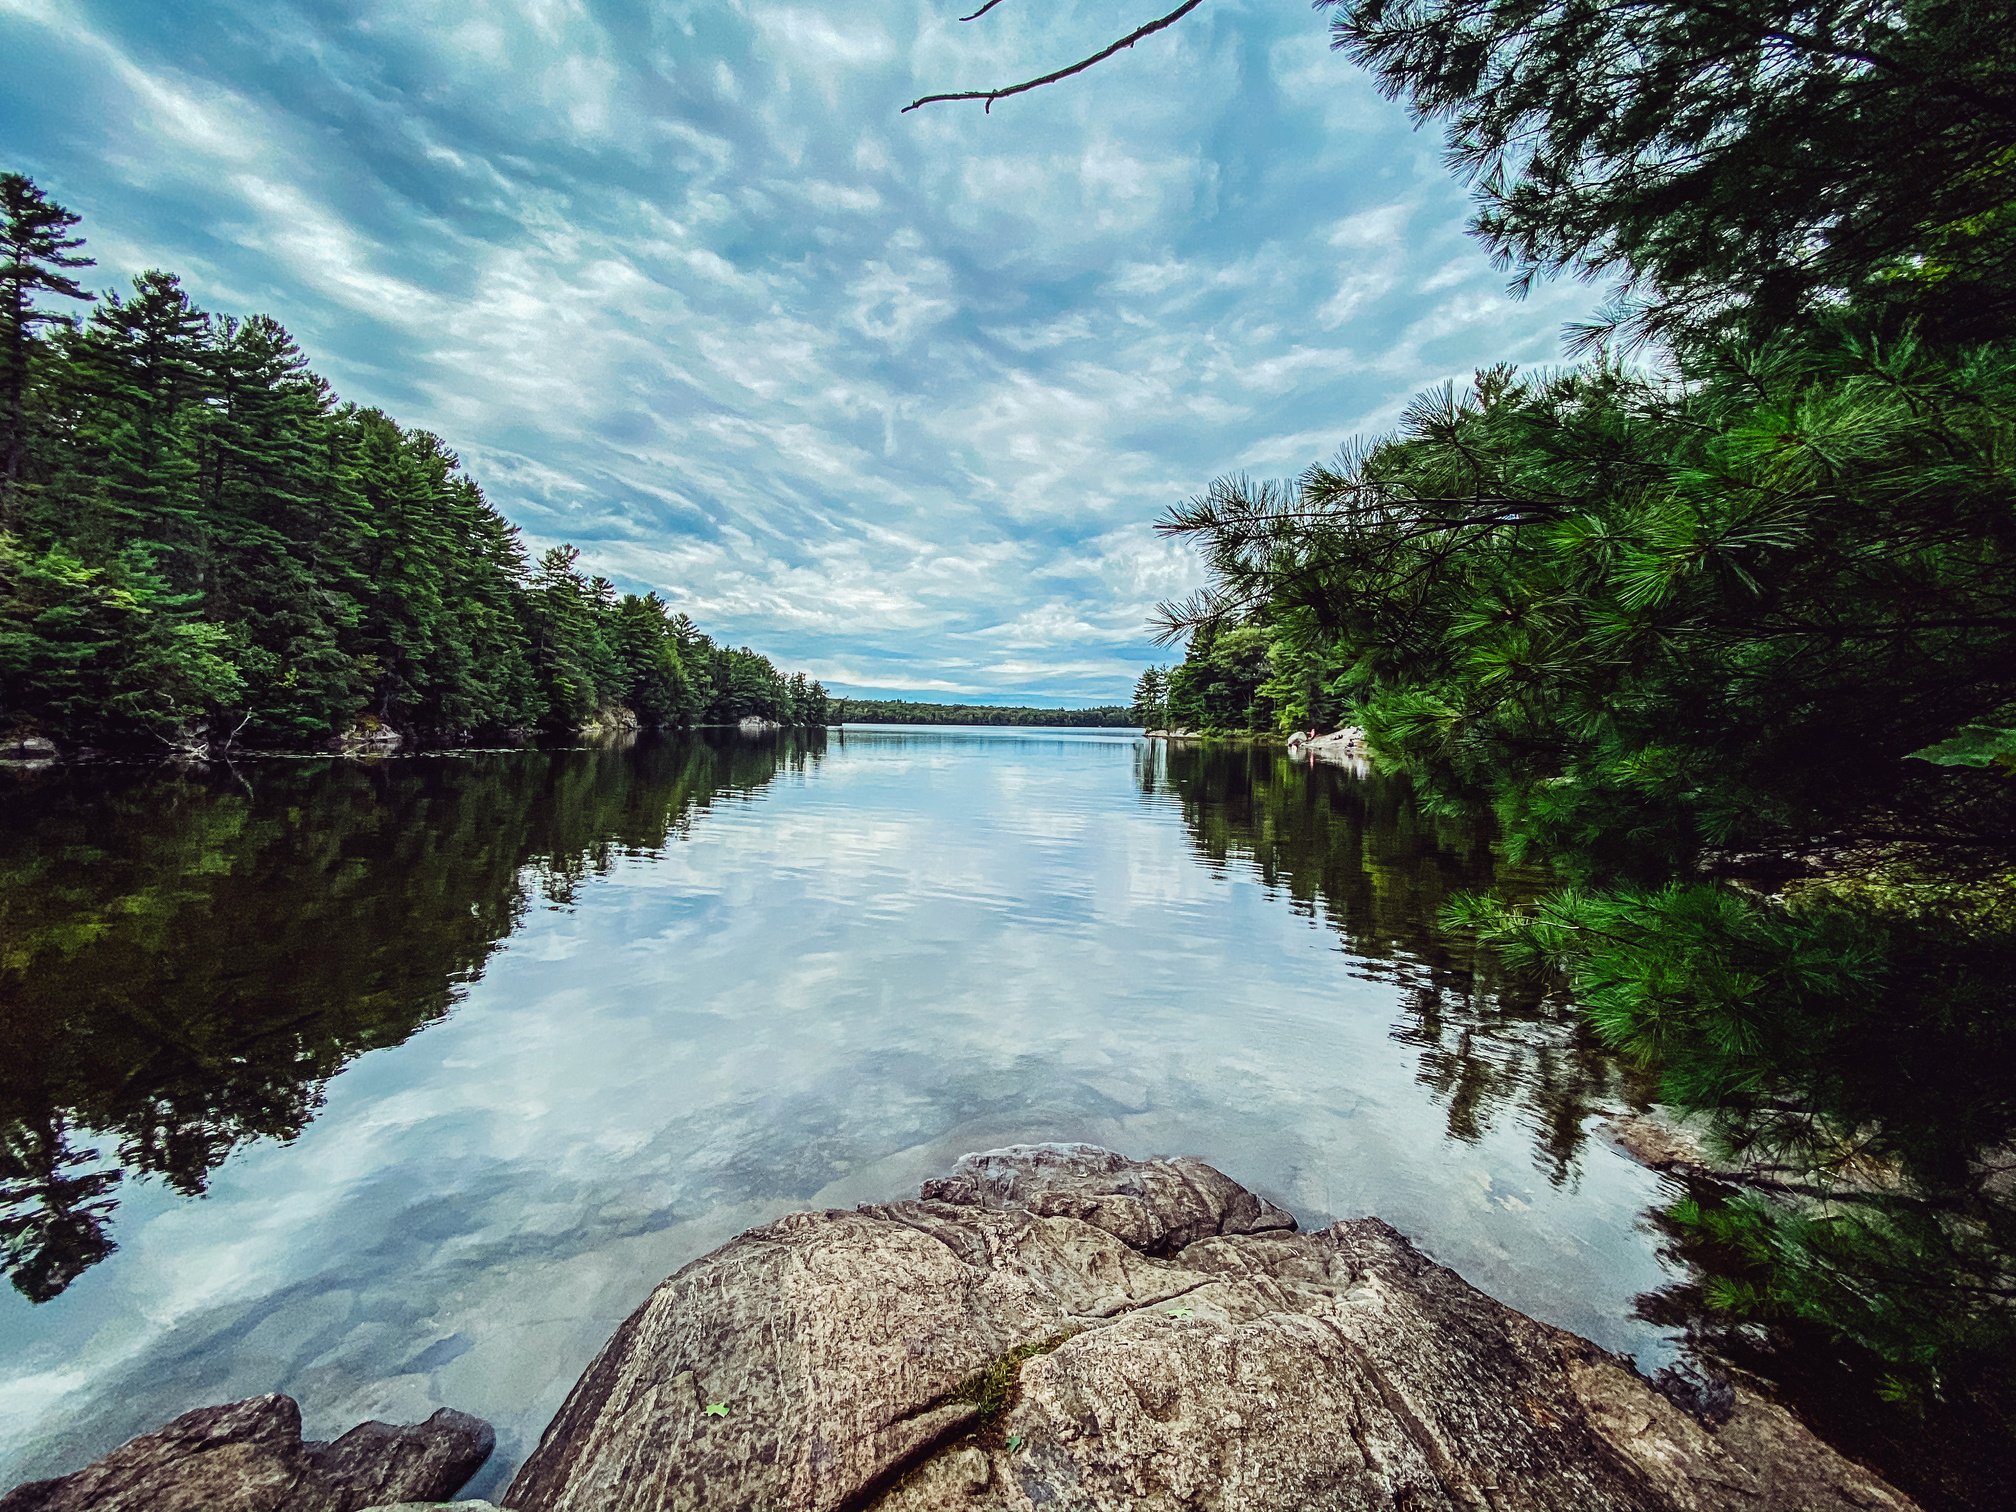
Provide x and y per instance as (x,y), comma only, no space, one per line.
(248,1457)
(1059,1326)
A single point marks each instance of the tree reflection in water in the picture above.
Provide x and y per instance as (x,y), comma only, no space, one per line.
(1357,850)
(185,960)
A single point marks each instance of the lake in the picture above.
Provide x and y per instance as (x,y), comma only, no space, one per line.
(397,1084)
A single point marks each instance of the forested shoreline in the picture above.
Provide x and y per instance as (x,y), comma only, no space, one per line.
(201,546)
(1719,620)
(905,711)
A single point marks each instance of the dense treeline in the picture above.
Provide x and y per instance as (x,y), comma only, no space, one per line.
(1722,621)
(900,711)
(1219,687)
(199,543)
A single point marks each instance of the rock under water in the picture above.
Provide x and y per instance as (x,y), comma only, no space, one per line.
(1060,1327)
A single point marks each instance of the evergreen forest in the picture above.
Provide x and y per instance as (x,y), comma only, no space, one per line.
(1719,619)
(904,711)
(201,546)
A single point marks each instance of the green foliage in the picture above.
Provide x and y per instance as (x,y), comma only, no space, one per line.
(37,253)
(1737,165)
(1659,626)
(199,543)
(1150,707)
(992,1391)
(1220,685)
(1749,614)
(1978,745)
(1857,1268)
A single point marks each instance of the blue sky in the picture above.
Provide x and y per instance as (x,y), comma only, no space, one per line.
(894,398)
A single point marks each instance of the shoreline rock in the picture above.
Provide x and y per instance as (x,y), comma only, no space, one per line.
(1215,738)
(1346,746)
(616,719)
(1061,1326)
(249,1457)
(367,737)
(32,748)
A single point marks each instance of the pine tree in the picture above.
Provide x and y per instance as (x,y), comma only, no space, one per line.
(565,644)
(1737,165)
(282,516)
(36,249)
(1151,698)
(146,370)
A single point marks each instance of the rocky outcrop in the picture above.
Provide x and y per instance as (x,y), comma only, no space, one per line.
(248,1457)
(614,719)
(1345,745)
(27,747)
(751,724)
(368,737)
(1659,1141)
(1056,1326)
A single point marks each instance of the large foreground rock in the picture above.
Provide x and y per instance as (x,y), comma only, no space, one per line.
(248,1457)
(1058,1327)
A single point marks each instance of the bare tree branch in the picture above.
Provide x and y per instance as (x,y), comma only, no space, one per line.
(991,95)
(982,11)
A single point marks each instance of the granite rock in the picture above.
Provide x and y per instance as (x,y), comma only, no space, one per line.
(248,1457)
(1056,1326)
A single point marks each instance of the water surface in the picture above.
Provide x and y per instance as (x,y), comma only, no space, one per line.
(397,1084)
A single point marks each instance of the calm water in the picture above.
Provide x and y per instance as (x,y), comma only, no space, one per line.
(397,1085)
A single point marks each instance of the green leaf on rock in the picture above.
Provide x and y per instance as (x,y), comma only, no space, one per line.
(716,1409)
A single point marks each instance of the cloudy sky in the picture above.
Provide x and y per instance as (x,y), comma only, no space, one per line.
(894,398)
